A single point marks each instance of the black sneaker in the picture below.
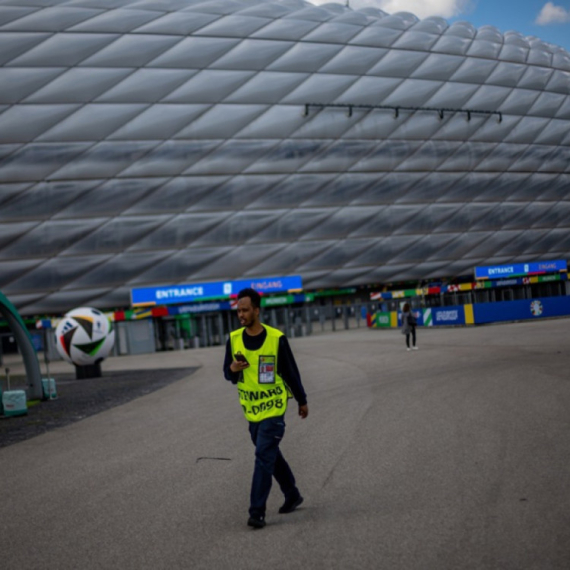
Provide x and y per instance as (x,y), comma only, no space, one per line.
(290,505)
(256,522)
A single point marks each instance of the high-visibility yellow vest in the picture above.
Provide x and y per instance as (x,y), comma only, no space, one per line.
(262,392)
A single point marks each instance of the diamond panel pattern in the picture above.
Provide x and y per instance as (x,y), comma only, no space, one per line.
(147,142)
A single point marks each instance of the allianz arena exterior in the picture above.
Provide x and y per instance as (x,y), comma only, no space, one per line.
(159,142)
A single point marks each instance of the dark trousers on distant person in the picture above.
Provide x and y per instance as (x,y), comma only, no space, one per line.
(269,462)
(413,332)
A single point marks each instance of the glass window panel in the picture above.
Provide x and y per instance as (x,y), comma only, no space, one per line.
(340,191)
(117,234)
(371,90)
(236,193)
(37,161)
(178,23)
(109,198)
(416,40)
(341,223)
(339,254)
(288,156)
(238,228)
(547,104)
(118,20)
(54,273)
(24,123)
(194,52)
(526,130)
(354,60)
(107,158)
(291,257)
(398,63)
(292,225)
(451,45)
(238,26)
(438,66)
(181,231)
(536,78)
(51,19)
(210,86)
(305,57)
(388,156)
(91,122)
(64,50)
(413,92)
(219,122)
(488,98)
(321,87)
(175,195)
(10,13)
(14,269)
(333,32)
(375,36)
(340,156)
(180,265)
(514,53)
(291,191)
(159,122)
(169,159)
(239,262)
(279,121)
(468,156)
(233,157)
(133,50)
(44,200)
(78,85)
(253,54)
(118,270)
(50,238)
(12,45)
(285,30)
(18,83)
(145,86)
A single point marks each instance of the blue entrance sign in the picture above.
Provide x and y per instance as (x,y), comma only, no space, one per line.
(520,269)
(175,294)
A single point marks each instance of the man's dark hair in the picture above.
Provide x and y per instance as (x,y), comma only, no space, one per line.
(252,294)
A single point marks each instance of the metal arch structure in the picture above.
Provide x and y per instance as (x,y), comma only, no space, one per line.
(25,345)
(161,142)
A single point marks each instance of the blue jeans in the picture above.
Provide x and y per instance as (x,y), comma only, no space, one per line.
(269,462)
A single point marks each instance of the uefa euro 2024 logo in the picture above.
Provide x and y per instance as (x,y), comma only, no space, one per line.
(536,308)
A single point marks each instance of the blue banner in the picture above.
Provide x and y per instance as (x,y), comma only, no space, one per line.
(200,308)
(175,294)
(521,310)
(448,315)
(520,269)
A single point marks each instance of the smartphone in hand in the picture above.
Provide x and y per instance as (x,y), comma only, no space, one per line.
(240,357)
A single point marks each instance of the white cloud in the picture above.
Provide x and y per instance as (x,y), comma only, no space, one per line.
(421,8)
(552,14)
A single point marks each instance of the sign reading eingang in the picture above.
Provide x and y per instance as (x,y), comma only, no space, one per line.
(520,269)
(174,294)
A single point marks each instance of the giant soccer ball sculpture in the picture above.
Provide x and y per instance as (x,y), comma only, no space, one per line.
(85,336)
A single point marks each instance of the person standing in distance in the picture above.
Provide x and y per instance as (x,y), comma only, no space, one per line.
(260,362)
(409,326)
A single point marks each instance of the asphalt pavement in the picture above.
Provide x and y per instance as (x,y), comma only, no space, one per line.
(455,456)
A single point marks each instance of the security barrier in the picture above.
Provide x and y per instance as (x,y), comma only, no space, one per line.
(479,313)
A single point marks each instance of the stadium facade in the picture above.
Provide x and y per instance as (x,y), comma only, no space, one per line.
(158,142)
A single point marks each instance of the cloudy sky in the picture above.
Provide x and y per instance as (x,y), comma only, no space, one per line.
(549,21)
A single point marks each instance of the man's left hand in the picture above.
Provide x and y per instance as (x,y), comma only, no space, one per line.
(304,411)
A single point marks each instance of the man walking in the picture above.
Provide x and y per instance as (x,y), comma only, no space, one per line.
(260,362)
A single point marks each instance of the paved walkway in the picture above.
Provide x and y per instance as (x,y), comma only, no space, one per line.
(452,457)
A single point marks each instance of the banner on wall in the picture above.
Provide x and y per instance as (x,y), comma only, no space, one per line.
(521,310)
(171,294)
(520,269)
